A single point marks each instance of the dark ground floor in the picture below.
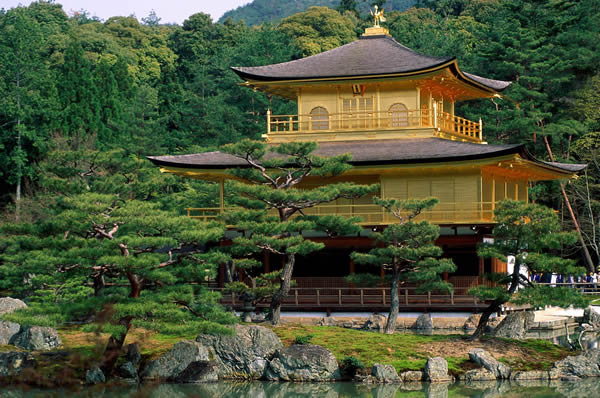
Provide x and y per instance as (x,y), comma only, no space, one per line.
(320,277)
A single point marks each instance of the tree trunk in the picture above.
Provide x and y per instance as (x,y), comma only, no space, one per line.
(485,317)
(99,285)
(284,289)
(390,326)
(586,254)
(496,304)
(115,343)
(114,348)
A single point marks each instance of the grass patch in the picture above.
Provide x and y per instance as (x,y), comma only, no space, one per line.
(400,350)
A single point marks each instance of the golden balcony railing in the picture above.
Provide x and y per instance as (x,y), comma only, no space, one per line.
(442,213)
(375,121)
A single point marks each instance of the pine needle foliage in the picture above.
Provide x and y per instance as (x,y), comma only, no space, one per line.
(532,234)
(272,200)
(408,252)
(114,264)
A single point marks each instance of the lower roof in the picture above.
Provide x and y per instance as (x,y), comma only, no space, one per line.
(378,152)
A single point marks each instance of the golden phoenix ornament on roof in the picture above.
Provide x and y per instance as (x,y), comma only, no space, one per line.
(378,16)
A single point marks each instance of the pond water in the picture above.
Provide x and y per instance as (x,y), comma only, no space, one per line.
(588,388)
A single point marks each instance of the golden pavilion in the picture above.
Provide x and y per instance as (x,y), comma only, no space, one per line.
(393,109)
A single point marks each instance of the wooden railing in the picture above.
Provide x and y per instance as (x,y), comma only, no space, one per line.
(367,298)
(442,213)
(365,121)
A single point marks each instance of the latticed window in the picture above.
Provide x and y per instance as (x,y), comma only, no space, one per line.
(319,118)
(398,114)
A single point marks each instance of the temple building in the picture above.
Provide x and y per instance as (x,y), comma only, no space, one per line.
(393,109)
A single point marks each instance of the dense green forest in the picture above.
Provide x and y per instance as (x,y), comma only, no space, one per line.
(261,11)
(83,101)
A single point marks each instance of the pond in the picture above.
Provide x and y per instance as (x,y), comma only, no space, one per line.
(533,389)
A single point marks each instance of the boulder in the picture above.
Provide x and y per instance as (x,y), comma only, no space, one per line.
(303,362)
(375,322)
(127,371)
(530,375)
(485,360)
(584,365)
(385,374)
(36,338)
(8,305)
(591,315)
(172,363)
(328,321)
(515,325)
(424,321)
(243,355)
(199,372)
(133,354)
(94,376)
(472,322)
(412,376)
(12,363)
(436,370)
(477,375)
(8,330)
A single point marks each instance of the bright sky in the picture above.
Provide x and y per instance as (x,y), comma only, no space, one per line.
(170,11)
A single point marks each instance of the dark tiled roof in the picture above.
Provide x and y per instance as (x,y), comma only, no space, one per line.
(368,56)
(572,167)
(375,152)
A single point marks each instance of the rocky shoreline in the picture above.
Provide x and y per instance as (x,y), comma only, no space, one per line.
(255,352)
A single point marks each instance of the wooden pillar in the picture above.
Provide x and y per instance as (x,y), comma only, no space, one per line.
(222,193)
(352,266)
(221,275)
(266,262)
(445,276)
(382,272)
(481,267)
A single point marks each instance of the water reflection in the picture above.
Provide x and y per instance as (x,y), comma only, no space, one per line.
(531,389)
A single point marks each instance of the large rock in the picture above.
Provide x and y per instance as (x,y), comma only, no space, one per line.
(8,305)
(584,365)
(328,321)
(94,376)
(515,325)
(36,338)
(477,375)
(375,322)
(591,315)
(412,376)
(424,321)
(199,372)
(436,370)
(12,363)
(8,330)
(530,375)
(485,360)
(133,354)
(385,374)
(172,363)
(243,355)
(472,322)
(303,362)
(128,371)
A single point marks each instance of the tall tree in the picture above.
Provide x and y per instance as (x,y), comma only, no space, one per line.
(271,182)
(28,99)
(529,233)
(408,252)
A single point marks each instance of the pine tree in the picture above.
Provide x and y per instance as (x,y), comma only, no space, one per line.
(408,252)
(274,203)
(529,233)
(124,263)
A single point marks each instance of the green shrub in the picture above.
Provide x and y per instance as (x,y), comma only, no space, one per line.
(351,365)
(303,339)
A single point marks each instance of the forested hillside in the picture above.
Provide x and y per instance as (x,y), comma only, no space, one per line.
(82,101)
(260,11)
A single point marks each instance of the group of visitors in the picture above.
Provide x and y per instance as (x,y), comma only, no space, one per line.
(585,281)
